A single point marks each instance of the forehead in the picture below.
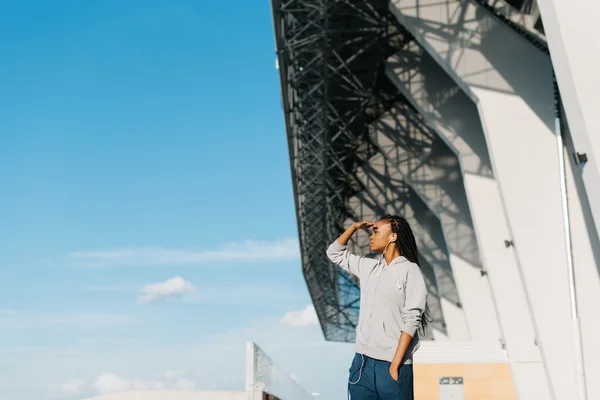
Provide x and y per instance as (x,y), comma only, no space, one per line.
(381,226)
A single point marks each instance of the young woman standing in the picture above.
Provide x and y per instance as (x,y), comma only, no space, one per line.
(393,301)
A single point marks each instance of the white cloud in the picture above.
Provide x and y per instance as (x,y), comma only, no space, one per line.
(249,250)
(71,388)
(176,286)
(110,383)
(305,317)
(137,384)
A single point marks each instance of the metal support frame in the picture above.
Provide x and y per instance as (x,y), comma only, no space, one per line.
(331,57)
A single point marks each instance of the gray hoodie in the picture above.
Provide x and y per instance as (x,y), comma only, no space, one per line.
(392,300)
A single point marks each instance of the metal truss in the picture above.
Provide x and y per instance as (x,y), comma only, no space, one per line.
(331,57)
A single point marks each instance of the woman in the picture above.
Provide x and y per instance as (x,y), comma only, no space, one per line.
(393,301)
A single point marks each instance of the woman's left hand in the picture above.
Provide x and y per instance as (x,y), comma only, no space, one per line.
(394,372)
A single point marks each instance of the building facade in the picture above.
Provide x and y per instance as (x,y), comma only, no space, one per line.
(475,120)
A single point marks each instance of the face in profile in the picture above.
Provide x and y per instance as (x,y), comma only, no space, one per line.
(380,237)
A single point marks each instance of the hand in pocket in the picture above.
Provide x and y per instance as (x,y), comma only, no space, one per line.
(394,373)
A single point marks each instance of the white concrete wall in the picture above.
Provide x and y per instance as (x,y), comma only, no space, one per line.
(453,115)
(574,42)
(586,255)
(174,395)
(511,84)
(571,28)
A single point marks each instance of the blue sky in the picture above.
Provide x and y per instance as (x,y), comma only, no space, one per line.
(148,225)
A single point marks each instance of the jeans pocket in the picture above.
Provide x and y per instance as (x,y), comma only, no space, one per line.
(356,364)
(355,371)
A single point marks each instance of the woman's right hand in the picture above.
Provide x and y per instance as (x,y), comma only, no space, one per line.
(344,237)
(362,225)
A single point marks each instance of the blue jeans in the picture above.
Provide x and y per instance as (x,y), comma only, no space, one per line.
(374,382)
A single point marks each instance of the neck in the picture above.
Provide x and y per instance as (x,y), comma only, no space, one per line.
(391,253)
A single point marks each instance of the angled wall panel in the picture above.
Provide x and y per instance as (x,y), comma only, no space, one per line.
(586,259)
(454,116)
(571,28)
(510,81)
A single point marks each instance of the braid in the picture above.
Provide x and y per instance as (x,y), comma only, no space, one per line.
(407,245)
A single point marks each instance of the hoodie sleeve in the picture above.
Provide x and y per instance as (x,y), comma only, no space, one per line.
(338,254)
(415,292)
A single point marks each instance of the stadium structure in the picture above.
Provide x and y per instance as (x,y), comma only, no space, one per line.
(478,121)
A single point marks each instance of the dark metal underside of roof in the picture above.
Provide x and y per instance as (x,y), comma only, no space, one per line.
(331,57)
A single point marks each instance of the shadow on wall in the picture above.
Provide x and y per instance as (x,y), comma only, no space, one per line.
(526,69)
(482,51)
(445,105)
(415,153)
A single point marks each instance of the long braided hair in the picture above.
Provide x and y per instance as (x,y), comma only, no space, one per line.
(407,245)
